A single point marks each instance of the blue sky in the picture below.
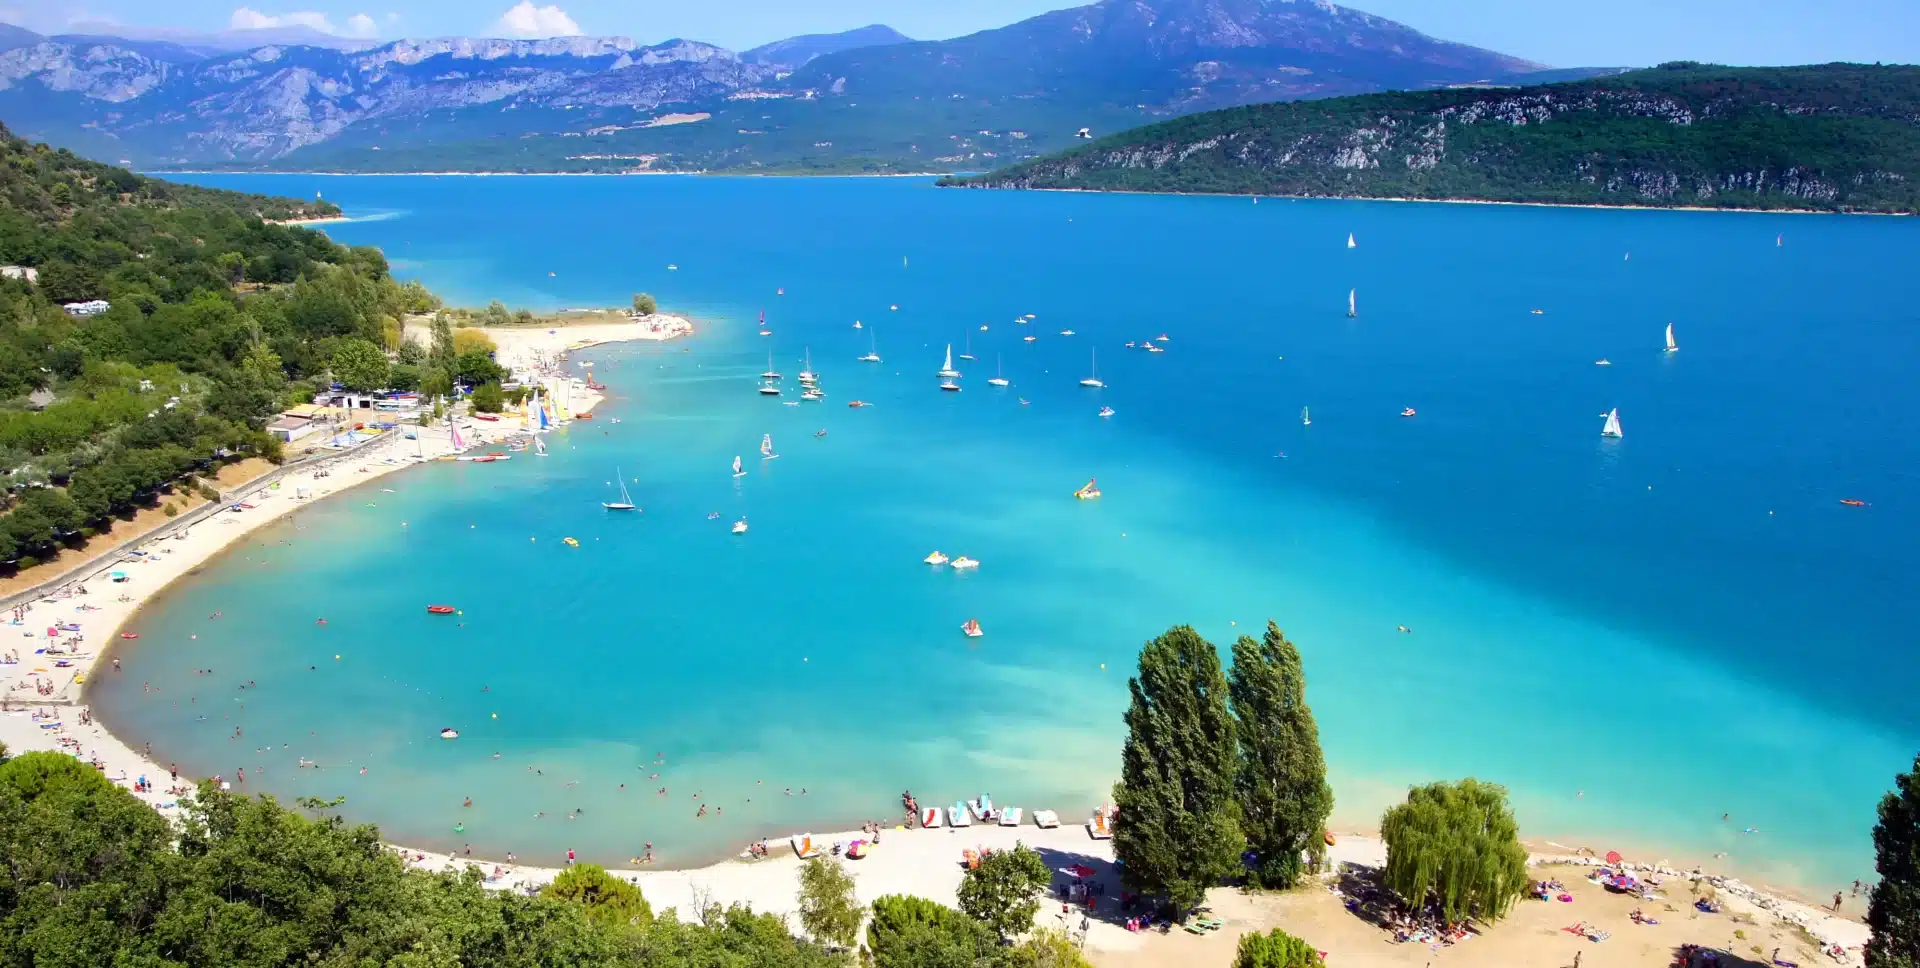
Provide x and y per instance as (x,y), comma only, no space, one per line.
(1628,32)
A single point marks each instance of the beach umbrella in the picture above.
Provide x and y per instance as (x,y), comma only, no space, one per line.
(1613,857)
(1078,870)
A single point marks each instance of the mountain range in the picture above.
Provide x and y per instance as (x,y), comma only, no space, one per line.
(863,99)
(1830,137)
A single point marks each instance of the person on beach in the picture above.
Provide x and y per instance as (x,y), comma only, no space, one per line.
(569,856)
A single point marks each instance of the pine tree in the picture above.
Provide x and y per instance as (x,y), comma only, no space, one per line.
(1177,831)
(1282,775)
(1893,910)
(1455,845)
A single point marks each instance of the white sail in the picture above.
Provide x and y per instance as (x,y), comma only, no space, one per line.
(946,365)
(1306,419)
(766,446)
(1671,345)
(1349,240)
(1350,308)
(539,448)
(1612,428)
(736,466)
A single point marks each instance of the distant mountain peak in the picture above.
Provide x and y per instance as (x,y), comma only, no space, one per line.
(796,51)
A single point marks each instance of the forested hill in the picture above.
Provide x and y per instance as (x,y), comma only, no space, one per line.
(1836,137)
(217,319)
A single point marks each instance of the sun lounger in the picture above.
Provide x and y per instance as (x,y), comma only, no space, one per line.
(1010,816)
(957,816)
(1046,819)
(803,846)
(1098,828)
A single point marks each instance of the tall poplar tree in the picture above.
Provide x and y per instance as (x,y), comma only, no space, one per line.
(1282,776)
(1893,910)
(1177,832)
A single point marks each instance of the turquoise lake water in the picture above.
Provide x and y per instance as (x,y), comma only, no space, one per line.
(1636,635)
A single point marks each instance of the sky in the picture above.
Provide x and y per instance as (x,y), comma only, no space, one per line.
(1619,33)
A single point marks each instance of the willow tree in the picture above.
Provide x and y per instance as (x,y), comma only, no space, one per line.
(1281,779)
(1893,909)
(1455,845)
(1177,831)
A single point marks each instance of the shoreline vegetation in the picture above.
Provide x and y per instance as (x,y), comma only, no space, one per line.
(1214,762)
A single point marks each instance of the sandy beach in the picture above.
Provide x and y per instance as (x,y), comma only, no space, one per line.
(45,711)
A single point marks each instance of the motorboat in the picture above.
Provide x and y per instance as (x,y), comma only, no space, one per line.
(740,526)
(440,609)
(1160,338)
(449,733)
(1538,312)
(964,562)
(769,390)
(858,403)
(1408,412)
(1106,411)
(1068,332)
(972,630)
(936,558)
(813,393)
(949,385)
(1031,339)
(1603,361)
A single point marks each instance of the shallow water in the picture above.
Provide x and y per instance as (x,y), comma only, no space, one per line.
(1635,635)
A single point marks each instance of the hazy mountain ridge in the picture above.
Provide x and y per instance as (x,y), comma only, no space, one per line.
(1839,137)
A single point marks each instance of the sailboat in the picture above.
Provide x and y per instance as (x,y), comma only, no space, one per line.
(1306,419)
(966,353)
(1671,345)
(626,500)
(807,375)
(1779,240)
(1093,380)
(1349,240)
(764,331)
(1351,312)
(771,374)
(873,352)
(856,324)
(998,380)
(1612,428)
(539,447)
(738,471)
(766,447)
(946,367)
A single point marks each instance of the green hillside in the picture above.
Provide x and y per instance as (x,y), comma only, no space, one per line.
(1835,137)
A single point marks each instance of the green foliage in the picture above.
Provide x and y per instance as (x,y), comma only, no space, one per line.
(495,314)
(1893,909)
(1003,892)
(829,912)
(1835,137)
(1455,845)
(1046,948)
(645,304)
(1281,780)
(607,899)
(1177,832)
(359,365)
(913,932)
(1275,949)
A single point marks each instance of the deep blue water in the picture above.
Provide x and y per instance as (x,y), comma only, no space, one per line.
(1635,635)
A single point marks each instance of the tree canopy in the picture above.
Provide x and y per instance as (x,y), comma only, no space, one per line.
(1177,832)
(913,932)
(1893,909)
(1281,780)
(1275,949)
(1455,846)
(829,912)
(1003,892)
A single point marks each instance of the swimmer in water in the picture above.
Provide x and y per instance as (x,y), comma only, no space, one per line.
(1404,629)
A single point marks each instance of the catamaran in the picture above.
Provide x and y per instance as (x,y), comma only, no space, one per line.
(998,380)
(1094,379)
(1612,427)
(1306,419)
(966,352)
(738,471)
(1349,240)
(766,447)
(1351,312)
(873,353)
(626,500)
(946,367)
(1671,345)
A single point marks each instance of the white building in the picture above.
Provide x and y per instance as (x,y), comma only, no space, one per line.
(92,307)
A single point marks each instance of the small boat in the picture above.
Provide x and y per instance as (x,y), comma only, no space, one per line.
(1306,419)
(626,500)
(894,307)
(1099,827)
(1068,332)
(1093,380)
(1089,492)
(1779,240)
(813,393)
(957,816)
(964,562)
(983,327)
(822,432)
(769,390)
(1031,338)
(672,268)
(950,386)
(966,350)
(135,635)
(1671,345)
(946,366)
(1010,816)
(440,609)
(570,542)
(1106,411)
(1349,240)
(930,817)
(449,733)
(740,526)
(583,415)
(1408,412)
(981,806)
(1852,502)
(856,325)
(1155,348)
(1612,427)
(489,418)
(803,847)
(1603,361)
(780,292)
(858,403)
(1031,316)
(1351,311)
(936,558)
(771,374)
(738,471)
(998,380)
(972,630)
(1538,312)
(1160,338)
(1046,819)
(766,447)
